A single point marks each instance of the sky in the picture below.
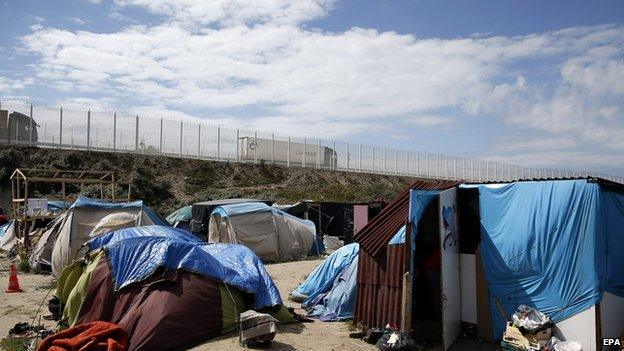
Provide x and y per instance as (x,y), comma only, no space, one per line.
(533,83)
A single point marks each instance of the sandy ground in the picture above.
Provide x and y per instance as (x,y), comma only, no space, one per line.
(20,307)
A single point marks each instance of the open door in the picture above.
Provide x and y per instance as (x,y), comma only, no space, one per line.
(449,249)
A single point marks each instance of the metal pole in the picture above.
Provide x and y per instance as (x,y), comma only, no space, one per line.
(463,168)
(360,158)
(373,166)
(115,130)
(318,154)
(336,157)
(255,150)
(396,161)
(487,170)
(417,163)
(219,143)
(428,166)
(61,127)
(160,139)
(407,162)
(88,129)
(238,145)
(272,147)
(437,166)
(288,153)
(136,135)
(199,141)
(30,128)
(181,133)
(384,160)
(348,158)
(303,159)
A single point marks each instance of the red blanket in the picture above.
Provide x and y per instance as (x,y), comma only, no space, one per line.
(96,336)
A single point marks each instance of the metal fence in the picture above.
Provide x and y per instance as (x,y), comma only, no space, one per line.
(56,127)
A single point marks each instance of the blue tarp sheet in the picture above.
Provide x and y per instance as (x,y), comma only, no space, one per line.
(181,214)
(133,256)
(398,238)
(544,244)
(83,201)
(322,278)
(614,215)
(241,208)
(339,302)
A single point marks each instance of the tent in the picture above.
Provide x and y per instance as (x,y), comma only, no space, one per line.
(150,281)
(7,236)
(550,245)
(329,292)
(181,218)
(271,233)
(201,212)
(63,239)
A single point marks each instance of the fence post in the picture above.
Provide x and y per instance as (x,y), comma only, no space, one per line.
(437,166)
(198,140)
(238,145)
(373,165)
(288,153)
(428,170)
(219,143)
(417,163)
(255,150)
(336,157)
(61,127)
(384,161)
(360,158)
(30,128)
(114,130)
(181,133)
(407,163)
(88,129)
(136,134)
(160,137)
(396,161)
(272,147)
(303,159)
(318,154)
(348,158)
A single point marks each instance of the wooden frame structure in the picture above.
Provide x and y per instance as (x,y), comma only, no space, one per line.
(22,180)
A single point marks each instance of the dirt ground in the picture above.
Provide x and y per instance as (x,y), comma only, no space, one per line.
(20,307)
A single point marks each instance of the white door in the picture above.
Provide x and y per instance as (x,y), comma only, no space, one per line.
(449,242)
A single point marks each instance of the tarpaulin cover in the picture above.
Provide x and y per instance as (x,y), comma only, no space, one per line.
(339,302)
(150,231)
(614,215)
(398,238)
(83,201)
(133,256)
(182,214)
(544,245)
(242,208)
(322,278)
(419,201)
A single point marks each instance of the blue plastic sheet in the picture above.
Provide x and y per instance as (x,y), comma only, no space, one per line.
(133,256)
(322,278)
(542,245)
(339,302)
(398,238)
(614,216)
(83,201)
(241,208)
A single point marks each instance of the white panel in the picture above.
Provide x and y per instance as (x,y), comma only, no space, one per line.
(468,280)
(580,328)
(451,295)
(611,315)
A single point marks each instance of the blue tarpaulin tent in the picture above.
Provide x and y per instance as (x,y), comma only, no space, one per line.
(329,291)
(550,245)
(135,253)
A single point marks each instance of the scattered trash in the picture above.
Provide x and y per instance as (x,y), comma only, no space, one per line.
(54,306)
(373,335)
(257,329)
(529,318)
(568,346)
(394,340)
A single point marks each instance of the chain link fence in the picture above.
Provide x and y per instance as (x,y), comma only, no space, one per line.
(56,127)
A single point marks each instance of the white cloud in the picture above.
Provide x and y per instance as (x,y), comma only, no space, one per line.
(95,2)
(76,20)
(234,54)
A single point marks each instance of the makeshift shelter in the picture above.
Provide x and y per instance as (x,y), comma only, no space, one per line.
(150,281)
(550,245)
(383,263)
(272,234)
(7,236)
(181,218)
(328,293)
(86,217)
(201,212)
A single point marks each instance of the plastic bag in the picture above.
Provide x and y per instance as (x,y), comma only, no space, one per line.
(394,340)
(529,318)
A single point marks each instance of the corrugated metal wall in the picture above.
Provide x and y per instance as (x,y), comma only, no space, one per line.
(379,288)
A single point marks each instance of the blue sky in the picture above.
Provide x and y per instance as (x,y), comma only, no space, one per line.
(535,83)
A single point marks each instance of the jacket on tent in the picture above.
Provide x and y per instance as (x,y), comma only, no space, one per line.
(84,218)
(150,280)
(270,233)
